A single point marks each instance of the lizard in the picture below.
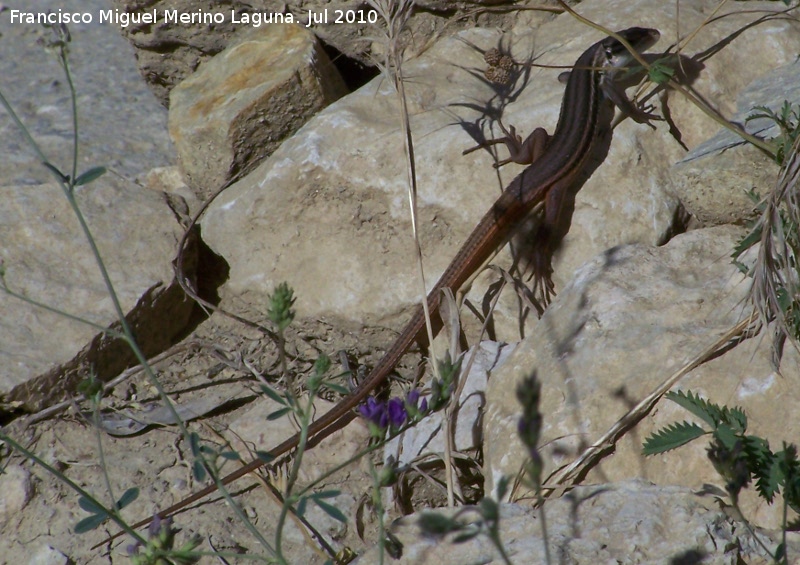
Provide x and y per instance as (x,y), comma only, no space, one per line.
(556,164)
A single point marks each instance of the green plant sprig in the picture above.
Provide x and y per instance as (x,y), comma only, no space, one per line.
(737,457)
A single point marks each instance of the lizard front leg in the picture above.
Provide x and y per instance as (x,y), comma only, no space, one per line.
(521,152)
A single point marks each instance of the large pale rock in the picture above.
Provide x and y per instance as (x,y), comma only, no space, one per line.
(47,258)
(330,204)
(122,126)
(714,179)
(238,106)
(627,321)
(626,522)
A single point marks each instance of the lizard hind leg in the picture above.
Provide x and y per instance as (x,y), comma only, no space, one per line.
(555,223)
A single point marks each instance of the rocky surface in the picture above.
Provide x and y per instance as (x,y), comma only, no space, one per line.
(733,168)
(122,126)
(610,523)
(168,52)
(238,107)
(45,353)
(45,254)
(327,212)
(628,320)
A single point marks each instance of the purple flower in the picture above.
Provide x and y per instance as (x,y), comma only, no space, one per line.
(397,412)
(412,398)
(374,412)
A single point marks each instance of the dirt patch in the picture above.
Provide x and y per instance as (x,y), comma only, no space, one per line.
(218,359)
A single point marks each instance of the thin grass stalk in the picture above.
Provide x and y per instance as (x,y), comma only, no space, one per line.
(775,269)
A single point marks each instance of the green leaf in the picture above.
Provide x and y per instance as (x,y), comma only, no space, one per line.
(265,456)
(90,175)
(436,524)
(90,523)
(322,364)
(59,175)
(661,72)
(709,412)
(784,300)
(489,509)
(278,414)
(341,389)
(502,487)
(747,242)
(300,510)
(466,535)
(273,395)
(727,437)
(127,497)
(736,418)
(90,505)
(326,494)
(198,471)
(768,476)
(331,511)
(194,443)
(672,437)
(230,456)
(762,112)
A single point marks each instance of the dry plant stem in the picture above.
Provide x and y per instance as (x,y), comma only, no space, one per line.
(449,413)
(567,475)
(448,310)
(395,14)
(110,385)
(702,106)
(775,266)
(412,198)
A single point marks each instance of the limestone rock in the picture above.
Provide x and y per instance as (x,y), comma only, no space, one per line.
(122,126)
(329,206)
(167,53)
(626,322)
(625,522)
(238,106)
(714,178)
(47,258)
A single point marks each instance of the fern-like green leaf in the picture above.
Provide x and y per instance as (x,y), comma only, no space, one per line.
(672,437)
(727,436)
(768,476)
(736,418)
(127,497)
(709,412)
